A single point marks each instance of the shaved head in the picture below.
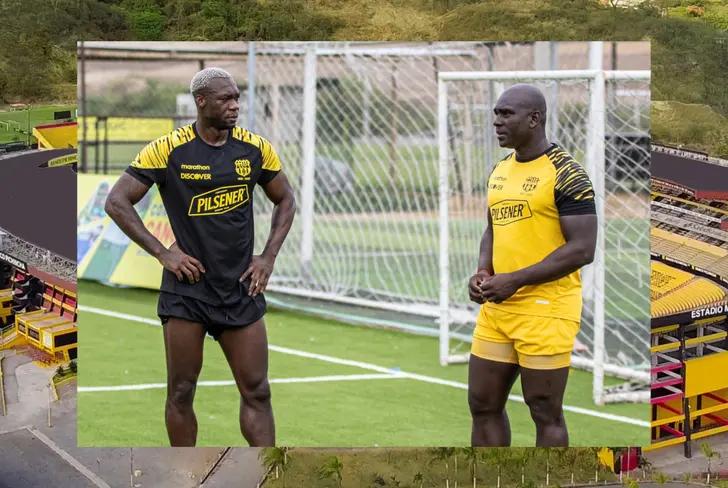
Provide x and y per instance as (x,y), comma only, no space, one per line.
(527,97)
(520,118)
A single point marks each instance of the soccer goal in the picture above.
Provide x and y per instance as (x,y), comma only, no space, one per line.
(382,238)
(602,119)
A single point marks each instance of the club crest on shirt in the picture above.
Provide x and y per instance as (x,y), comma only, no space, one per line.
(530,184)
(242,168)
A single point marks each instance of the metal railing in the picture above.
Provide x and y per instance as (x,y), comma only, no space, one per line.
(37,257)
(689,154)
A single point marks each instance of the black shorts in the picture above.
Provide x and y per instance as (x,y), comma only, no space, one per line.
(215,318)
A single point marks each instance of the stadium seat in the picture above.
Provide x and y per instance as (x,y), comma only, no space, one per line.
(26,295)
(6,275)
(674,291)
(52,328)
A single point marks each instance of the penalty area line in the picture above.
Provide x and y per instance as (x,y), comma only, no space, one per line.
(381,369)
(305,379)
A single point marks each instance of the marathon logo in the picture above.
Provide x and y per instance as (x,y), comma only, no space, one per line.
(218,201)
(708,311)
(508,211)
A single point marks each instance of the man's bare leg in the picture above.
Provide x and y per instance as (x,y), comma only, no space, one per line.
(246,350)
(183,342)
(543,390)
(489,383)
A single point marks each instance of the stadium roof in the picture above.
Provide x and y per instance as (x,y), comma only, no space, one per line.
(705,179)
(39,204)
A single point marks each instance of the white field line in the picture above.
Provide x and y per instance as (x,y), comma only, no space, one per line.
(70,459)
(381,369)
(309,379)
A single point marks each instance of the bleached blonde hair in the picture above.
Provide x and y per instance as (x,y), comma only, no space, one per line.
(201,81)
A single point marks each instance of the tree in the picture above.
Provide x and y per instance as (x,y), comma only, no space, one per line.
(569,457)
(548,465)
(709,454)
(471,456)
(522,456)
(500,456)
(276,458)
(332,468)
(443,454)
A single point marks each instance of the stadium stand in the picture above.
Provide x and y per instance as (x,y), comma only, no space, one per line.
(37,257)
(674,291)
(689,291)
(56,136)
(43,315)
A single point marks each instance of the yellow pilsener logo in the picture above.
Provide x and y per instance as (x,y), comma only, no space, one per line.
(508,211)
(219,200)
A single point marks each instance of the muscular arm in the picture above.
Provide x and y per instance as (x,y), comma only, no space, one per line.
(580,233)
(120,207)
(278,191)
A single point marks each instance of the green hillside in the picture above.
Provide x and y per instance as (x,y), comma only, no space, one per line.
(690,54)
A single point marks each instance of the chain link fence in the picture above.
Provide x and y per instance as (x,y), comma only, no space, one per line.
(370,236)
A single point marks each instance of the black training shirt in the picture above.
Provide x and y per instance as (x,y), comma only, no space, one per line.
(207,193)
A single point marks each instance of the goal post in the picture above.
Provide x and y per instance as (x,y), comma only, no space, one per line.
(603,120)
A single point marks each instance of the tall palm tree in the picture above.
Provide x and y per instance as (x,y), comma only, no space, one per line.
(561,455)
(548,465)
(570,458)
(501,457)
(455,456)
(522,456)
(443,454)
(332,468)
(471,456)
(593,453)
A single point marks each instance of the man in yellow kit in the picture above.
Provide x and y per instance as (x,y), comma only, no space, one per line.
(542,229)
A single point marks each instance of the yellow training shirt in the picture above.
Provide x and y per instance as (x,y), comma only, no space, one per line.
(525,201)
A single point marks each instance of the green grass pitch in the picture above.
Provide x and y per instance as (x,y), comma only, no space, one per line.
(364,412)
(12,122)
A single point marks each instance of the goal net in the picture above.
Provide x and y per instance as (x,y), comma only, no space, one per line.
(604,124)
(357,131)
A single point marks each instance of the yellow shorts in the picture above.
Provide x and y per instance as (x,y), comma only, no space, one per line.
(530,341)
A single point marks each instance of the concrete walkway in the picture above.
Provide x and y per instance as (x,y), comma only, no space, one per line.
(57,462)
(24,383)
(25,461)
(672,461)
(26,390)
(239,467)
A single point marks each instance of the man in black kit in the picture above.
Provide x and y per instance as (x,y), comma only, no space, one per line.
(211,282)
